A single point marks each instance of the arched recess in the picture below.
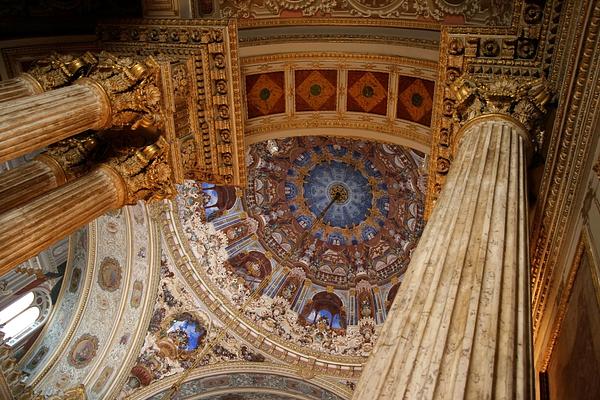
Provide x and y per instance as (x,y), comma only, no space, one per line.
(113,276)
(246,377)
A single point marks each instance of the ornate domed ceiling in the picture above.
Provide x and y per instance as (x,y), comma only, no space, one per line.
(312,252)
(341,210)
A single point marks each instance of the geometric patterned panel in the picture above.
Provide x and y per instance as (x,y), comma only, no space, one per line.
(265,94)
(368,92)
(415,100)
(316,90)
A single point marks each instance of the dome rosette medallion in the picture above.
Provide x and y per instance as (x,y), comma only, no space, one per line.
(327,225)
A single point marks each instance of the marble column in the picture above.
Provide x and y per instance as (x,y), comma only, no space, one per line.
(60,163)
(25,182)
(33,122)
(52,72)
(29,228)
(460,325)
(117,92)
(22,86)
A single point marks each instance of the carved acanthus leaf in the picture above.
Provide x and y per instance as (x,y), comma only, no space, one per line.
(74,154)
(146,172)
(523,100)
(132,87)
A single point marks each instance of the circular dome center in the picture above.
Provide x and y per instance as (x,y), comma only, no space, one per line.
(338,193)
(343,184)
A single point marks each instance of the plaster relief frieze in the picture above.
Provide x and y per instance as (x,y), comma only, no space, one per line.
(66,313)
(437,10)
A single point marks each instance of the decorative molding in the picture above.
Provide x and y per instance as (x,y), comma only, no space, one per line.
(209,47)
(266,368)
(568,153)
(582,250)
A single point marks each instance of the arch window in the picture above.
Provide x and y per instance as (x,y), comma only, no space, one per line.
(24,315)
(326,307)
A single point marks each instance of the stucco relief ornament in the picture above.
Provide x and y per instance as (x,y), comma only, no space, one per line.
(308,7)
(274,315)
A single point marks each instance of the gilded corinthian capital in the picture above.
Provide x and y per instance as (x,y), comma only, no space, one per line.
(146,173)
(58,70)
(74,155)
(132,90)
(524,100)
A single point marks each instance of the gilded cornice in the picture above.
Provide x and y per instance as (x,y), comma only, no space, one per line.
(384,62)
(407,133)
(341,38)
(377,22)
(209,49)
(569,150)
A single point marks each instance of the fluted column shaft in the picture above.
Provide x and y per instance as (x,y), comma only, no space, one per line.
(22,86)
(27,181)
(36,121)
(460,325)
(30,228)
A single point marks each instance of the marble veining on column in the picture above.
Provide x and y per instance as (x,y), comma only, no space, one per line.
(459,327)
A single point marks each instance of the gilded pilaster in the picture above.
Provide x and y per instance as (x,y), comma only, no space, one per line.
(460,327)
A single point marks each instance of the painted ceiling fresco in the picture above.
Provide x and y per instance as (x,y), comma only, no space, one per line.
(317,91)
(324,231)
